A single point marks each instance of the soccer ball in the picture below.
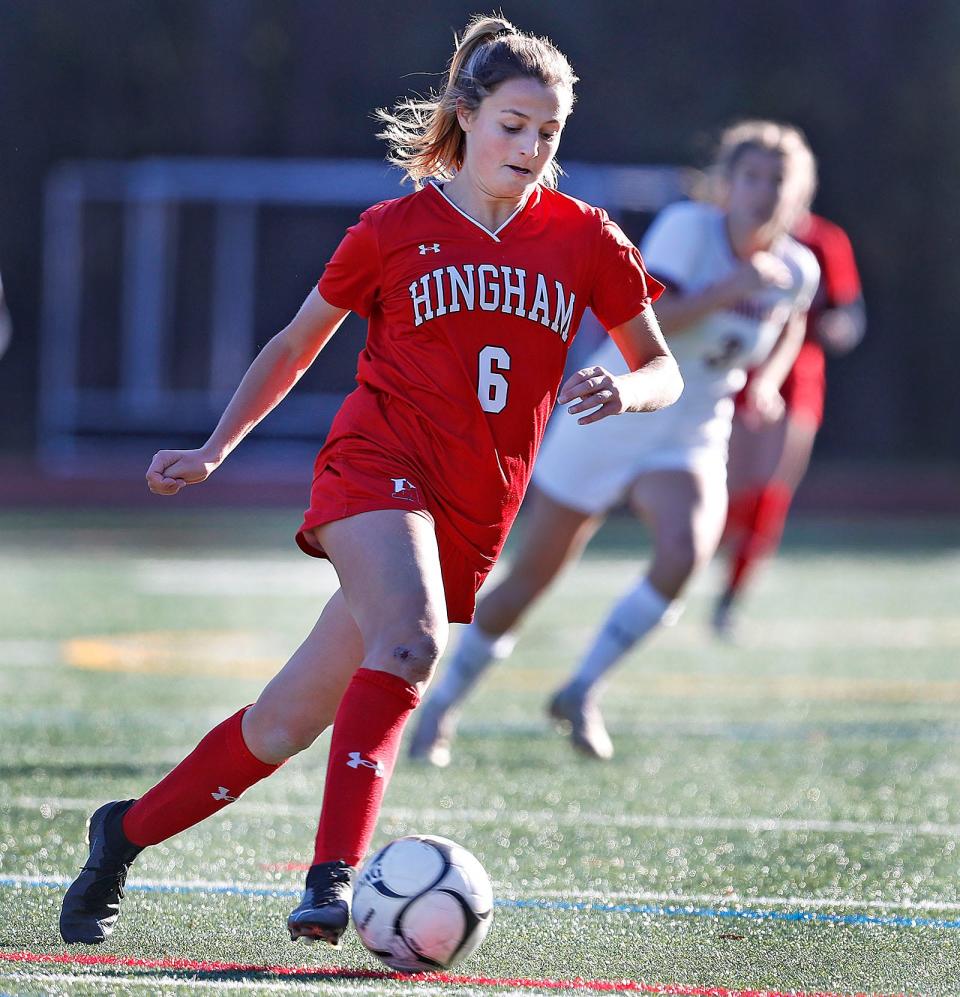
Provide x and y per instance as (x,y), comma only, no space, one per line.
(422,903)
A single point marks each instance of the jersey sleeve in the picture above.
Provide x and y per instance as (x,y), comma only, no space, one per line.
(622,288)
(840,276)
(673,244)
(352,277)
(809,279)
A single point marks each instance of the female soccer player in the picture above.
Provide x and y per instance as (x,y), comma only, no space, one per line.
(474,287)
(738,288)
(768,462)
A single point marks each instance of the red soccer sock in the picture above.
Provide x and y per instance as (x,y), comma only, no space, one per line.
(213,775)
(765,531)
(363,751)
(740,514)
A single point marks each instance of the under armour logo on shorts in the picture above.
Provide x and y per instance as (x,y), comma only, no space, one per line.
(405,489)
(356,760)
(432,248)
(223,794)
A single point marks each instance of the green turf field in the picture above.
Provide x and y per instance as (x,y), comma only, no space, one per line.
(781,816)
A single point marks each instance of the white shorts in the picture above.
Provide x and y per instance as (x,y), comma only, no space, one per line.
(591,468)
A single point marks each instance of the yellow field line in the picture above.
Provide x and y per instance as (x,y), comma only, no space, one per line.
(248,655)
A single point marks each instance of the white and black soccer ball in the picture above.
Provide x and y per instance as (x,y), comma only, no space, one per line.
(422,903)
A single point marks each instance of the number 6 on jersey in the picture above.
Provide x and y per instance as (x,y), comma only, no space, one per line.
(492,387)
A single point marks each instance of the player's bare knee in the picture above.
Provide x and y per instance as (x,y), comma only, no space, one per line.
(679,551)
(296,733)
(275,739)
(414,655)
(298,736)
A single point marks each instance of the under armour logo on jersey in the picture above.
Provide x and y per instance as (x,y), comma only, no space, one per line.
(432,248)
(356,760)
(223,794)
(405,489)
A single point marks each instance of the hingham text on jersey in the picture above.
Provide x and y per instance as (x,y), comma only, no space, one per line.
(492,289)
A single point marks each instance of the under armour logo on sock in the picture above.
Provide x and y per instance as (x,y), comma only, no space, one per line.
(223,794)
(356,760)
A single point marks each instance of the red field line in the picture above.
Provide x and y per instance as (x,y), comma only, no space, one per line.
(343,973)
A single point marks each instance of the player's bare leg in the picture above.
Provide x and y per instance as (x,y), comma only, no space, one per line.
(685,511)
(299,703)
(552,536)
(767,464)
(391,581)
(296,706)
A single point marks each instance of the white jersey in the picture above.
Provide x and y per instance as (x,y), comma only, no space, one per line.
(687,247)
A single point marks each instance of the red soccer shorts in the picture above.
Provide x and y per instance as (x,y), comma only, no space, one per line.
(350,479)
(806,385)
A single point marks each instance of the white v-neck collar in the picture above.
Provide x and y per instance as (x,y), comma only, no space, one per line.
(483,228)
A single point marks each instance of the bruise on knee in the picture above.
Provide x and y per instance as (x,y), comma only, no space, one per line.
(416,667)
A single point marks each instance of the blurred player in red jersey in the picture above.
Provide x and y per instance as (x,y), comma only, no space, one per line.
(768,462)
(473,287)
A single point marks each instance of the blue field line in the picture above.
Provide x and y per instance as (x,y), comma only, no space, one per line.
(585,906)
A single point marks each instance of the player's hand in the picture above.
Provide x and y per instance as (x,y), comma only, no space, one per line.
(764,404)
(838,331)
(763,270)
(597,389)
(171,470)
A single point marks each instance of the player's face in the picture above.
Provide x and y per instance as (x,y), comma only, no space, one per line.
(758,191)
(513,136)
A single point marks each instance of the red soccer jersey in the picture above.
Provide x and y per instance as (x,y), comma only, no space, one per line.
(839,278)
(468,331)
(805,385)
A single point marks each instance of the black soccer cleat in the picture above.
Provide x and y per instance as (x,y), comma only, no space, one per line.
(91,905)
(324,911)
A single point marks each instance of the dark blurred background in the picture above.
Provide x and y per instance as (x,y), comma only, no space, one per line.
(875,84)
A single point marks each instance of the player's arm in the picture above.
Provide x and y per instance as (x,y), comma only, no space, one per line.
(678,309)
(274,371)
(840,329)
(653,383)
(842,323)
(763,391)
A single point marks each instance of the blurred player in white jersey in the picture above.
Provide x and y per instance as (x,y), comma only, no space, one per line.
(738,290)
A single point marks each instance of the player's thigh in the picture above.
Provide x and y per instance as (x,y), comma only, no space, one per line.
(389,569)
(685,510)
(799,437)
(755,454)
(553,533)
(550,535)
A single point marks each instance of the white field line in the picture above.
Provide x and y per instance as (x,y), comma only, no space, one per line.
(288,984)
(48,806)
(573,896)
